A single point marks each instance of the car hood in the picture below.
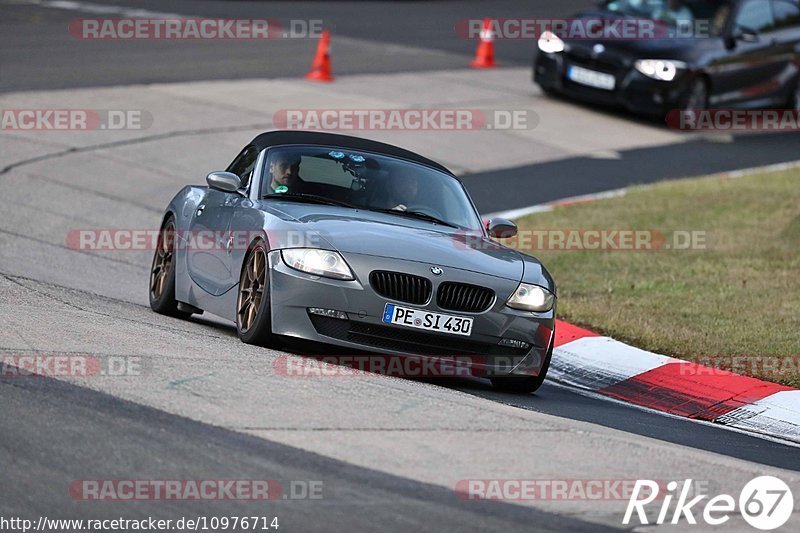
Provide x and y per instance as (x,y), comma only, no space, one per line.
(395,237)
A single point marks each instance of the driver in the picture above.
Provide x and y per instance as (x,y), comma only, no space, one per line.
(284,170)
(403,191)
(675,11)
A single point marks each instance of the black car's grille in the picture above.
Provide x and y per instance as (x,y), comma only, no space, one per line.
(401,287)
(464,297)
(605,63)
(406,340)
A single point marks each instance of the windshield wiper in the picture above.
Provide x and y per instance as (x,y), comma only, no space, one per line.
(415,214)
(314,198)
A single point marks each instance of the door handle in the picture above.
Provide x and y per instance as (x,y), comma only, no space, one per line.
(200,210)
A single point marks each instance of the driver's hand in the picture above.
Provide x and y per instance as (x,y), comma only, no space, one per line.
(399,207)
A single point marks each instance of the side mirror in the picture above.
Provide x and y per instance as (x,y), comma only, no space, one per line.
(501,228)
(224,181)
(744,34)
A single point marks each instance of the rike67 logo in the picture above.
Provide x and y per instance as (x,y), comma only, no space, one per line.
(766,503)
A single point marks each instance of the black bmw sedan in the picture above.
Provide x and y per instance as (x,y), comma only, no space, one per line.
(697,54)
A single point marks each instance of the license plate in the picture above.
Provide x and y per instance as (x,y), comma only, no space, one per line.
(592,78)
(420,319)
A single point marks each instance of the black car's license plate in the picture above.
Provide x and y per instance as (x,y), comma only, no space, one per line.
(592,78)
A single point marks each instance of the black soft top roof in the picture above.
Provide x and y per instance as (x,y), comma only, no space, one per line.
(279,137)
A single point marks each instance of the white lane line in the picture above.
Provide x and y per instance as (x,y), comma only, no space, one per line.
(549,206)
(755,170)
(100,9)
(614,193)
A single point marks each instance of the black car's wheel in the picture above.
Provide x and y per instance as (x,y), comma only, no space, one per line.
(794,97)
(162,273)
(695,96)
(548,91)
(253,319)
(523,384)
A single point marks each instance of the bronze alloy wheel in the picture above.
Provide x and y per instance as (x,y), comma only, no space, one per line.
(162,261)
(162,275)
(251,289)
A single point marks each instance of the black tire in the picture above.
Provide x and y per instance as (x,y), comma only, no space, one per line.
(524,384)
(162,273)
(254,319)
(793,102)
(549,91)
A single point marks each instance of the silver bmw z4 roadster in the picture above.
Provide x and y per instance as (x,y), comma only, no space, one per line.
(359,244)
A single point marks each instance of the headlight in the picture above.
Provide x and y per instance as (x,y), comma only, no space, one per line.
(531,298)
(659,69)
(320,262)
(550,42)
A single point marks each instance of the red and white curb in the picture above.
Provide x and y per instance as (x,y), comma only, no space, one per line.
(614,369)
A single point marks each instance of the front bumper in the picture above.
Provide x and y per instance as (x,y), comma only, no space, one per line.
(633,91)
(293,292)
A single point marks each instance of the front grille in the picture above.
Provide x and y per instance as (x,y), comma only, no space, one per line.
(401,287)
(605,63)
(464,297)
(406,340)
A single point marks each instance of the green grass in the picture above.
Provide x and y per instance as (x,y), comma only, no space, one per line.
(739,296)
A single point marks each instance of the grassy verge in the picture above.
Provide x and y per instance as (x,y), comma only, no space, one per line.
(738,296)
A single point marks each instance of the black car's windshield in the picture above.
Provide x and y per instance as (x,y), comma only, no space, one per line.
(710,14)
(364,180)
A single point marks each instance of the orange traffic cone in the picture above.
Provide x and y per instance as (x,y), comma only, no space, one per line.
(321,67)
(484,55)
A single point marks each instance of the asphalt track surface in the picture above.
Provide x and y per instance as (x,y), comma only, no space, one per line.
(209,407)
(100,433)
(527,185)
(369,37)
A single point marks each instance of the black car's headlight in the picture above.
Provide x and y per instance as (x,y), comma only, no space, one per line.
(531,298)
(325,263)
(550,43)
(660,69)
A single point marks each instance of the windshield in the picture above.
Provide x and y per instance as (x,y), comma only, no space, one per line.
(366,180)
(681,13)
